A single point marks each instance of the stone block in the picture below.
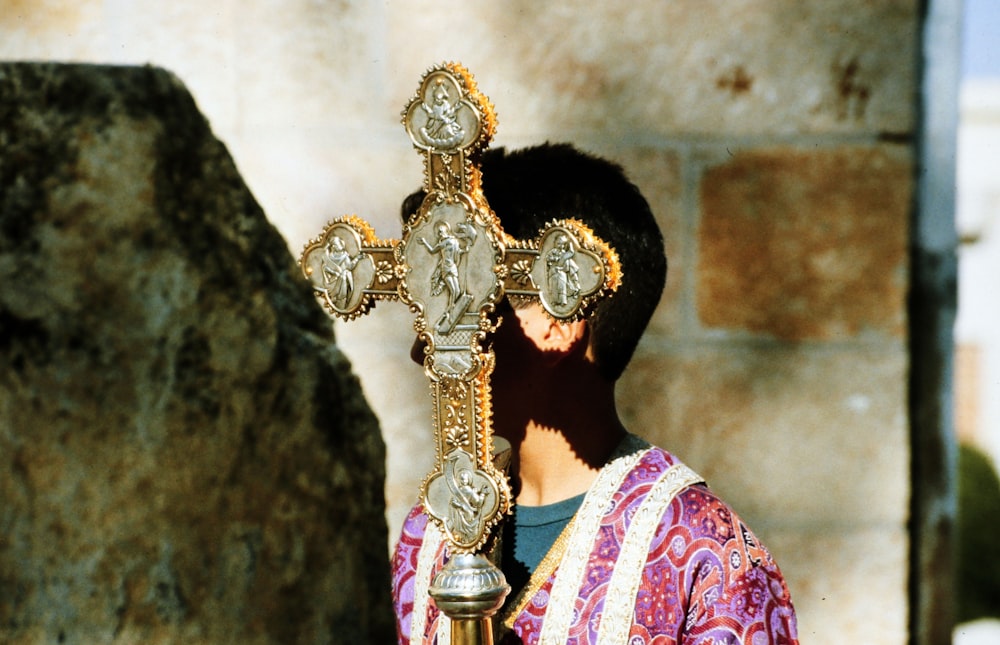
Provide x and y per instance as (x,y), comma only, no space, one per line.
(185,455)
(774,429)
(848,583)
(724,68)
(68,30)
(306,64)
(806,244)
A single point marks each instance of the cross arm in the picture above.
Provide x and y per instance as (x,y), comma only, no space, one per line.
(350,268)
(566,268)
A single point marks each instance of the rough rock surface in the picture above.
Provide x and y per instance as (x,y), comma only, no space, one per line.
(184,453)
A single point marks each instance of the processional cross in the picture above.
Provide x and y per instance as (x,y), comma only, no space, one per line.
(452,265)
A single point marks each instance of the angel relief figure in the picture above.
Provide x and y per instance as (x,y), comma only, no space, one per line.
(467,501)
(338,277)
(442,128)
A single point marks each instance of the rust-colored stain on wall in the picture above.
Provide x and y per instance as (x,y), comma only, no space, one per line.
(40,18)
(806,245)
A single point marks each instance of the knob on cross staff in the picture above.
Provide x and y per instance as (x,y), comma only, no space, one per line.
(452,265)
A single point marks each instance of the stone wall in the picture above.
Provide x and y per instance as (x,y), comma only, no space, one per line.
(185,456)
(776,140)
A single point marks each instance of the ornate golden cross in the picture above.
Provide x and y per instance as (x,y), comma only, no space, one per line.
(452,265)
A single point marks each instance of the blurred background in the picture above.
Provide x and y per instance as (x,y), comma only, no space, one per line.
(779,143)
(977,327)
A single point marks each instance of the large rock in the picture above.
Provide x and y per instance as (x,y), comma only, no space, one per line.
(184,453)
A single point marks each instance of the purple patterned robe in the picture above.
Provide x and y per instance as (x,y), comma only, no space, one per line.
(664,566)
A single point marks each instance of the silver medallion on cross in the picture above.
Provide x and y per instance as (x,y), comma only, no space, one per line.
(452,265)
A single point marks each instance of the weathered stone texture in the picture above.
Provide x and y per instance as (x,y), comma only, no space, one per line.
(29,26)
(720,66)
(806,244)
(184,453)
(333,43)
(848,583)
(751,417)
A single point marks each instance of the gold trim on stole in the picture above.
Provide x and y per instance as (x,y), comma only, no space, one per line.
(539,576)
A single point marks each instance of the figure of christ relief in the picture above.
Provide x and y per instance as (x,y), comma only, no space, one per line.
(338,266)
(563,271)
(449,248)
(442,128)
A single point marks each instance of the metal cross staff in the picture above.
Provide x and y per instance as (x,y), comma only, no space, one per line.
(452,265)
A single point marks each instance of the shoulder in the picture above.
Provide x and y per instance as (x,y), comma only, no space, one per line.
(727,578)
(411,537)
(654,466)
(697,514)
(699,529)
(659,456)
(704,531)
(694,507)
(734,582)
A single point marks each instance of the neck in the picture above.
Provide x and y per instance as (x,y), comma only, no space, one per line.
(563,442)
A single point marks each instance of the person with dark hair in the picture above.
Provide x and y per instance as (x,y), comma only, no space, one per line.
(611,540)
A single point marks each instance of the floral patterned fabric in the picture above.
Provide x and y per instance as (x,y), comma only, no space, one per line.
(705,578)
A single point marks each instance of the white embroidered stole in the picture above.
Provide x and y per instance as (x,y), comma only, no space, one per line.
(623,588)
(562,599)
(426,560)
